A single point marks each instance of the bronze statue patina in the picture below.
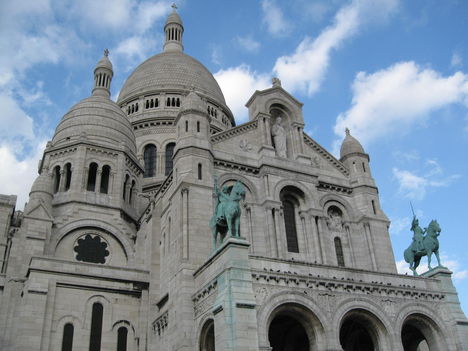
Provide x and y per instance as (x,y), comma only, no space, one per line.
(227,212)
(423,245)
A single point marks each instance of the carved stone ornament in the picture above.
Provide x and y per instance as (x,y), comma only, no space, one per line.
(245,145)
(335,220)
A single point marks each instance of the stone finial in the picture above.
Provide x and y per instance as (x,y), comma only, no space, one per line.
(347,131)
(106,52)
(276,82)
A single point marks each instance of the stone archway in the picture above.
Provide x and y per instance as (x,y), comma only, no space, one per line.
(292,328)
(359,331)
(419,333)
(287,334)
(207,336)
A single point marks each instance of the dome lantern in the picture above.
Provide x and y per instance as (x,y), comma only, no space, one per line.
(174,30)
(103,74)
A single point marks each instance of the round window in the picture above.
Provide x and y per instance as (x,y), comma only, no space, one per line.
(91,248)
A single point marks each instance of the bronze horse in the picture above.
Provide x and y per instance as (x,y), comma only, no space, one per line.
(430,244)
(228,220)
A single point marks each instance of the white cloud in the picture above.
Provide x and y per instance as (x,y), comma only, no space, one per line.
(17,176)
(413,186)
(452,264)
(305,69)
(248,43)
(403,268)
(394,99)
(133,50)
(274,19)
(238,84)
(130,16)
(456,60)
(399,225)
(14,121)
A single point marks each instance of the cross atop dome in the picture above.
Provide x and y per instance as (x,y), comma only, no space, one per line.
(174,6)
(106,52)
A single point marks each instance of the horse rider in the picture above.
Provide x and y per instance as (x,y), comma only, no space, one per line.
(418,235)
(222,197)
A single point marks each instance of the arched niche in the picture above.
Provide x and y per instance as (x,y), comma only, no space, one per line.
(293,327)
(421,333)
(361,330)
(207,336)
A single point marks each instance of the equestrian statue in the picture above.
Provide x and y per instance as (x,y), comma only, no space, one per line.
(227,212)
(423,245)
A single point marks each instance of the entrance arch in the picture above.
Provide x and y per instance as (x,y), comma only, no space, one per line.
(292,327)
(359,331)
(419,333)
(207,336)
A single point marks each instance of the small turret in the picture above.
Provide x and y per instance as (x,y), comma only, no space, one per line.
(352,154)
(174,30)
(103,74)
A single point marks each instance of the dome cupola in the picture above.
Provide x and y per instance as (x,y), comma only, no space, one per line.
(174,29)
(350,146)
(97,118)
(103,74)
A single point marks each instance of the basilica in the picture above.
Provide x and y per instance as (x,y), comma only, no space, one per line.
(120,248)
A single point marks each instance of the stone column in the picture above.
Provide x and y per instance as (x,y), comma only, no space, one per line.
(97,186)
(185,223)
(62,180)
(317,249)
(347,230)
(322,233)
(248,215)
(303,216)
(370,244)
(280,232)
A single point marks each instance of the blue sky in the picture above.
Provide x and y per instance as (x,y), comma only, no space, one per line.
(392,71)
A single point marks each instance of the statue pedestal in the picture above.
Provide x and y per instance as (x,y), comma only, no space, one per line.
(444,275)
(234,307)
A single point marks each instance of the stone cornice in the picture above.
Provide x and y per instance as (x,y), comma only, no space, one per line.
(325,154)
(232,132)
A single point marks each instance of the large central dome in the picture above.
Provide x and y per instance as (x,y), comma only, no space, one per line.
(167,71)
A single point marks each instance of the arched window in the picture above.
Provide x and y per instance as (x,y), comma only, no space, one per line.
(339,252)
(68,175)
(92,174)
(149,156)
(290,223)
(178,102)
(290,200)
(67,340)
(105,179)
(364,167)
(96,327)
(56,179)
(156,102)
(169,153)
(373,207)
(200,171)
(147,104)
(124,194)
(122,333)
(198,126)
(186,126)
(168,102)
(130,195)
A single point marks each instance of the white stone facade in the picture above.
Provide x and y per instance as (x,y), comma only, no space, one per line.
(114,250)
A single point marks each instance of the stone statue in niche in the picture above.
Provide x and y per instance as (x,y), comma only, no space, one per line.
(335,220)
(279,137)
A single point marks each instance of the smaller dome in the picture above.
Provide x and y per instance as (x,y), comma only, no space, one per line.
(98,119)
(104,63)
(42,184)
(350,145)
(193,102)
(174,18)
